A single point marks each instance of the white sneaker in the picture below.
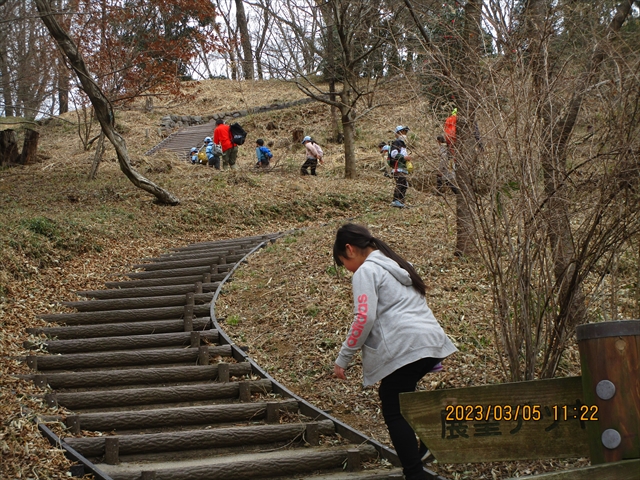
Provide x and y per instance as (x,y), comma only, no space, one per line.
(397,203)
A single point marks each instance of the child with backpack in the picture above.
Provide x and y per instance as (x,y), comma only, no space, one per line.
(213,157)
(193,155)
(400,338)
(398,161)
(313,155)
(263,154)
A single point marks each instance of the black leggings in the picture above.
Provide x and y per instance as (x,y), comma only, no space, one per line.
(310,162)
(402,435)
(401,186)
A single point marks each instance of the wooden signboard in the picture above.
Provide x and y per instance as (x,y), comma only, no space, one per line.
(509,421)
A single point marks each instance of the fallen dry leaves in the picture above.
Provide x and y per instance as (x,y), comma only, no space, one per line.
(287,304)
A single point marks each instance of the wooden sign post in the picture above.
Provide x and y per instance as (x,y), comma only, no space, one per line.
(508,421)
(610,363)
(596,415)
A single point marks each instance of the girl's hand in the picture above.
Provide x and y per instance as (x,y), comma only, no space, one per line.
(338,371)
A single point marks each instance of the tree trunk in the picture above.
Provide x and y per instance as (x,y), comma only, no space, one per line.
(331,74)
(97,158)
(266,16)
(6,80)
(466,141)
(348,129)
(30,147)
(8,147)
(245,40)
(556,134)
(233,63)
(63,88)
(102,106)
(465,159)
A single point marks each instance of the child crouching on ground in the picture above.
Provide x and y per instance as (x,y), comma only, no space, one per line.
(263,154)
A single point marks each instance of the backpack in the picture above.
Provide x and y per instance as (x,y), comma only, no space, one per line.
(450,125)
(238,135)
(319,150)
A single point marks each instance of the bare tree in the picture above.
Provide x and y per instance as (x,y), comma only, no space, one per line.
(25,60)
(263,35)
(230,39)
(245,40)
(549,212)
(301,57)
(102,106)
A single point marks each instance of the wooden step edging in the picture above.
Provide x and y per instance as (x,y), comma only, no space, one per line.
(305,461)
(200,415)
(137,376)
(128,342)
(197,439)
(124,358)
(158,282)
(181,272)
(121,316)
(120,329)
(157,395)
(140,302)
(149,291)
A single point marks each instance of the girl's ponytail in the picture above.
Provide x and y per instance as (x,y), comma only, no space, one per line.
(359,236)
(417,281)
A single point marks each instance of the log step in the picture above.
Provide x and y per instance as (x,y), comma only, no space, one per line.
(198,254)
(139,376)
(120,329)
(167,417)
(244,241)
(186,263)
(197,439)
(257,465)
(182,272)
(120,316)
(124,358)
(157,282)
(147,291)
(155,395)
(138,302)
(129,342)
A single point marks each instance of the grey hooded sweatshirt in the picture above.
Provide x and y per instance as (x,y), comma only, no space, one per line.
(393,324)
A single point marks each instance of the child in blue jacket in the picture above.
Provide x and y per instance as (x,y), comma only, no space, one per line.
(213,159)
(263,154)
(193,155)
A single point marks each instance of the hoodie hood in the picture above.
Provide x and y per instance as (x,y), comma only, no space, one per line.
(390,266)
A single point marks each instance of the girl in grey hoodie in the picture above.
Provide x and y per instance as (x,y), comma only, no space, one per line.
(400,339)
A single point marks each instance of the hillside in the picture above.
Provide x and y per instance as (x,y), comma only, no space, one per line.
(61,233)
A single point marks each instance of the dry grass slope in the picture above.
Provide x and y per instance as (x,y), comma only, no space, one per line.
(61,233)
